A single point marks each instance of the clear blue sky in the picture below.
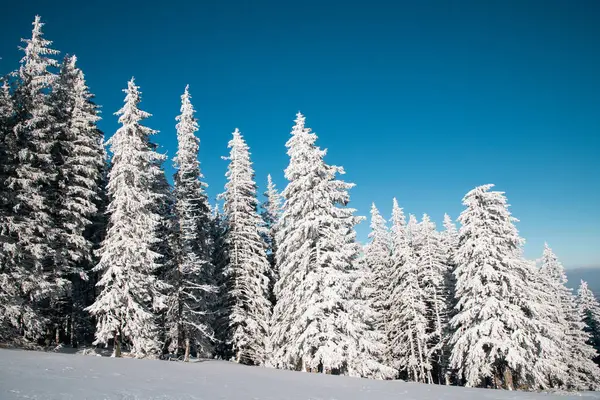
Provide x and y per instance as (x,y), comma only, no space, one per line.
(421,100)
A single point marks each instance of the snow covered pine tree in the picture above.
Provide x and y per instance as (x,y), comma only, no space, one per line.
(369,303)
(409,343)
(271,211)
(580,372)
(79,158)
(247,268)
(434,279)
(312,325)
(590,309)
(27,228)
(131,292)
(188,315)
(498,325)
(377,258)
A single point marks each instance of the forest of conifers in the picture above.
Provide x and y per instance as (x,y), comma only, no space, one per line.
(98,247)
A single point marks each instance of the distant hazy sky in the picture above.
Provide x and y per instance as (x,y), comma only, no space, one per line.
(421,100)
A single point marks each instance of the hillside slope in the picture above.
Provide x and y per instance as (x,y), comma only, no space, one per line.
(36,375)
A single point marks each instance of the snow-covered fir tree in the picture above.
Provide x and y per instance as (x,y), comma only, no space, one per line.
(582,372)
(377,260)
(218,303)
(6,131)
(399,249)
(188,315)
(369,300)
(434,274)
(79,157)
(496,334)
(449,240)
(311,325)
(9,293)
(247,268)
(130,291)
(589,307)
(271,211)
(27,228)
(367,356)
(410,344)
(449,244)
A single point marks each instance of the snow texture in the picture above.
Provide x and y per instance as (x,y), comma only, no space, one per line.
(46,376)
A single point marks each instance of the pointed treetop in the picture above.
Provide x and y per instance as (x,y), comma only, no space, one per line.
(273,195)
(37,24)
(35,62)
(398,217)
(185,97)
(132,99)
(36,33)
(449,225)
(377,220)
(583,286)
(412,220)
(551,266)
(299,126)
(447,219)
(374,209)
(5,88)
(300,120)
(130,114)
(187,109)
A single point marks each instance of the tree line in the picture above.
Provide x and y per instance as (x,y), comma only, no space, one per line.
(105,251)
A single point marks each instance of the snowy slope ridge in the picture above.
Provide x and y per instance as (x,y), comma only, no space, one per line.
(35,375)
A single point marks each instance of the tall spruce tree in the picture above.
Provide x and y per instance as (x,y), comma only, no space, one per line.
(589,307)
(399,251)
(377,257)
(189,315)
(219,301)
(131,292)
(10,301)
(311,325)
(27,227)
(7,120)
(247,268)
(271,211)
(449,244)
(580,372)
(410,345)
(434,271)
(367,356)
(79,158)
(369,301)
(495,340)
(449,240)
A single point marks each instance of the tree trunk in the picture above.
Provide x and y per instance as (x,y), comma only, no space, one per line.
(117,351)
(447,378)
(508,378)
(72,333)
(57,335)
(186,357)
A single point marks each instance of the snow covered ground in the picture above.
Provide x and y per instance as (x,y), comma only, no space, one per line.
(38,375)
